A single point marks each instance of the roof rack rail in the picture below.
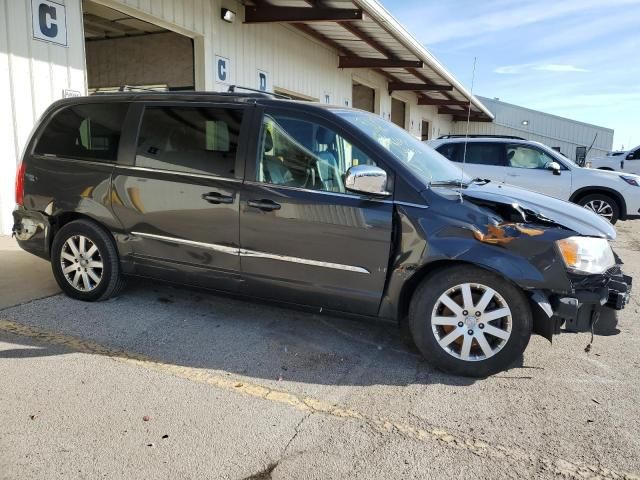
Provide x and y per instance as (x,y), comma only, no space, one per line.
(135,87)
(511,137)
(232,89)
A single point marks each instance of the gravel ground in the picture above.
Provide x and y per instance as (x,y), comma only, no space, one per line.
(165,382)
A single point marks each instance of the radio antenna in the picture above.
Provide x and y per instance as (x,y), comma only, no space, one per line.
(466,135)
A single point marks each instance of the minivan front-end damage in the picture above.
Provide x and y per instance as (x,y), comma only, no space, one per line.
(576,308)
(516,239)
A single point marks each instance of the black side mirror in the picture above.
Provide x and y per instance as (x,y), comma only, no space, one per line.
(554,167)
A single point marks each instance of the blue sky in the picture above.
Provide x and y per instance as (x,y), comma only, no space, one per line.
(575,58)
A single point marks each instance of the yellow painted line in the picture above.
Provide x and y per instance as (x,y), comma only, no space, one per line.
(239,385)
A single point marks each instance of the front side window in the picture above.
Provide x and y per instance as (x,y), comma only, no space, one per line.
(197,140)
(422,160)
(88,131)
(521,156)
(304,154)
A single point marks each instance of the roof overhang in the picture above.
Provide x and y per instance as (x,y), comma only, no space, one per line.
(365,35)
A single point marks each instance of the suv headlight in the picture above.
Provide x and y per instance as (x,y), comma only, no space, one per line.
(586,255)
(630,180)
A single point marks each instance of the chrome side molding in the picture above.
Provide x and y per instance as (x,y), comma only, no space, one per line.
(243,252)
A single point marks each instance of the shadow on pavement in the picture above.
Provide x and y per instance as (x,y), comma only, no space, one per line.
(199,329)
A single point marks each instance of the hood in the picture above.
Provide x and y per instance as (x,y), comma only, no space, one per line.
(565,214)
(612,175)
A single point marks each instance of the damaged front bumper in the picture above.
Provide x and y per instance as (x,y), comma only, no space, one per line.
(578,310)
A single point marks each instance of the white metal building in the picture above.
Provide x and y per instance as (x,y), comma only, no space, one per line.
(560,133)
(337,51)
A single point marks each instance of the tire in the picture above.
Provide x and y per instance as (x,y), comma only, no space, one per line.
(77,276)
(432,322)
(610,210)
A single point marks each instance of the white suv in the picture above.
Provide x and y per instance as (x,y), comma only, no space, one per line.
(536,167)
(627,162)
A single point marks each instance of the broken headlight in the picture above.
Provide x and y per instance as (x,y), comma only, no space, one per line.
(586,255)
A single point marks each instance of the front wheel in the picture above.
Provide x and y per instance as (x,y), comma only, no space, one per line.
(603,205)
(469,321)
(85,262)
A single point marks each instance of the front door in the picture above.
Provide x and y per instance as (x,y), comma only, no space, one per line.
(304,238)
(528,167)
(179,201)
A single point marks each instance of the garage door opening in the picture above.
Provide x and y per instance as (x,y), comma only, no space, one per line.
(398,112)
(363,98)
(124,50)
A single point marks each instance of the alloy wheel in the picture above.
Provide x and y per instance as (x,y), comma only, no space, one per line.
(471,322)
(81,263)
(601,207)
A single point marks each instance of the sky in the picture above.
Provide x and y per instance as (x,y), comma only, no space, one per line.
(579,59)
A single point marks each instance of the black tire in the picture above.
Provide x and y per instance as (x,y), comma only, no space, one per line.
(596,198)
(424,331)
(111,282)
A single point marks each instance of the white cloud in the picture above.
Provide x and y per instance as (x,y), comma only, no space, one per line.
(437,23)
(547,67)
(559,67)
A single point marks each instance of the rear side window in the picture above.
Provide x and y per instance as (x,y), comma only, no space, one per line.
(198,140)
(484,153)
(89,131)
(450,150)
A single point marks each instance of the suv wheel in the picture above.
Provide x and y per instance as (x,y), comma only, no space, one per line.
(468,321)
(85,262)
(603,205)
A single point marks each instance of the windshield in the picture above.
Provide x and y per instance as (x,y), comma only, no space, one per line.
(421,159)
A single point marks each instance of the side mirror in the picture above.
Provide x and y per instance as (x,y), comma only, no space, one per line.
(367,179)
(630,156)
(554,167)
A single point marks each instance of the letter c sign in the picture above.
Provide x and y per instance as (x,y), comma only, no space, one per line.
(223,69)
(49,21)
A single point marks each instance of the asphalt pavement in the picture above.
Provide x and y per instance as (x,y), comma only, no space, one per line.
(166,382)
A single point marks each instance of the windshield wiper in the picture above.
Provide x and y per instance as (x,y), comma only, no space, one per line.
(480,181)
(457,183)
(447,183)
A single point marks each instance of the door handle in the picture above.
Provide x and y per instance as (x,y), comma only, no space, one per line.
(215,197)
(264,205)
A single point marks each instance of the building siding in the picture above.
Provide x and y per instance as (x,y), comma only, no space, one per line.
(545,128)
(33,74)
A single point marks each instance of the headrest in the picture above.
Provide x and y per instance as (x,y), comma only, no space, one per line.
(268,141)
(325,136)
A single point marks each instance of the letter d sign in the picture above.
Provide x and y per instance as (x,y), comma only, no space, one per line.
(49,21)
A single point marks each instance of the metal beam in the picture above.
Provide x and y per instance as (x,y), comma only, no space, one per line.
(472,119)
(271,14)
(418,87)
(442,102)
(362,62)
(453,111)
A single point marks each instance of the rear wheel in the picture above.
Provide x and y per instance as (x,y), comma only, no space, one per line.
(85,262)
(468,321)
(603,205)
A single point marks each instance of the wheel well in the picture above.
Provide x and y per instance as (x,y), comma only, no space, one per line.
(60,220)
(580,194)
(411,285)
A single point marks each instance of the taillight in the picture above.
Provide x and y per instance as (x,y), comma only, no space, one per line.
(20,184)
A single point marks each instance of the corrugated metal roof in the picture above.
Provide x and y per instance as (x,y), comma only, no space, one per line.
(380,36)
